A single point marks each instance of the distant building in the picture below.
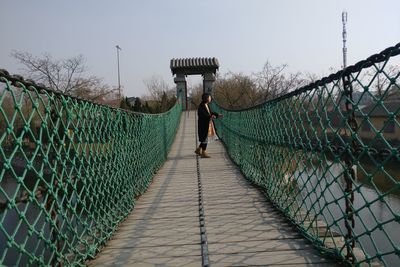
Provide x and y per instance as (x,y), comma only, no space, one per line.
(384,117)
(115,103)
(362,99)
(132,100)
(329,122)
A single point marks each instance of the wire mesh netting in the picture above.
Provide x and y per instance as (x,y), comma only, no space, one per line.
(70,171)
(327,155)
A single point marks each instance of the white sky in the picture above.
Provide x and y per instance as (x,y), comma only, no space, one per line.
(242,34)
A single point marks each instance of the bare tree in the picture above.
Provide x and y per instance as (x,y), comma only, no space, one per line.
(93,88)
(157,86)
(381,76)
(162,96)
(236,91)
(195,95)
(66,75)
(273,81)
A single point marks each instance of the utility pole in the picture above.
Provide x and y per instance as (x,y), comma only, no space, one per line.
(344,34)
(119,80)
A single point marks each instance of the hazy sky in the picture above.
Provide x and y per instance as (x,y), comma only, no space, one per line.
(242,34)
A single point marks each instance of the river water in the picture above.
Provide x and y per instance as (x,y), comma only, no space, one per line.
(376,202)
(27,225)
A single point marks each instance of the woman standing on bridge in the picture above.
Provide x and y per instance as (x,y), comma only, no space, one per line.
(205,116)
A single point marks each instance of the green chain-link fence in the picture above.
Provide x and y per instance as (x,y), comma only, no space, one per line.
(327,155)
(70,171)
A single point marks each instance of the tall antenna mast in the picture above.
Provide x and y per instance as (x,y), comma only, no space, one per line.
(344,34)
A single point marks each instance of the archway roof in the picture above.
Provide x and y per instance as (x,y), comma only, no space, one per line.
(194,65)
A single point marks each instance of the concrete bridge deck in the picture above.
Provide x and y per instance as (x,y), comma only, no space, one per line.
(242,228)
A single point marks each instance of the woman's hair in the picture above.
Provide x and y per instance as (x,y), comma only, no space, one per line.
(204,97)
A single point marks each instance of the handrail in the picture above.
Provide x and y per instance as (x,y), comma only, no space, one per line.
(70,171)
(328,156)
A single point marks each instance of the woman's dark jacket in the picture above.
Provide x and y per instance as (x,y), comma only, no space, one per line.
(204,121)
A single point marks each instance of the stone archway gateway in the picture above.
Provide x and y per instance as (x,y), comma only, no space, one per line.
(181,67)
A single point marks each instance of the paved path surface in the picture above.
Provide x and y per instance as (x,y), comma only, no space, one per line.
(242,228)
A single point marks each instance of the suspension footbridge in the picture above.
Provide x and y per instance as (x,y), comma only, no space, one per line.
(205,211)
(308,178)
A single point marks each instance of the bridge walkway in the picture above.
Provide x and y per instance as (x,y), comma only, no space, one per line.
(242,227)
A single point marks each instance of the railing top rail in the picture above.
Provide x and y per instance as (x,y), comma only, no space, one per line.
(376,58)
(19,81)
(71,170)
(327,155)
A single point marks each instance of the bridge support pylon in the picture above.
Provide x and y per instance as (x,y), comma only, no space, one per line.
(208,83)
(181,67)
(181,90)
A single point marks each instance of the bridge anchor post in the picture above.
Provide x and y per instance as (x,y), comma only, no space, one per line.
(181,91)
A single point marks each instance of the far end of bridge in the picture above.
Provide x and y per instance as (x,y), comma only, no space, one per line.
(181,67)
